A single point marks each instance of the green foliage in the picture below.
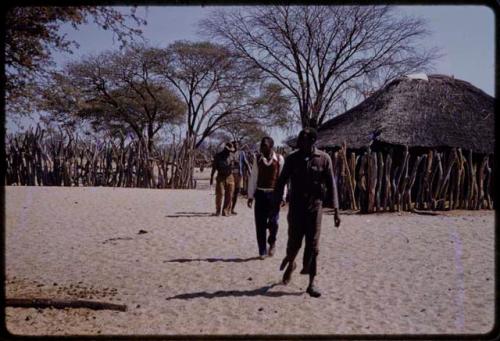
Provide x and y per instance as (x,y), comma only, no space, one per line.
(246,133)
(112,90)
(274,106)
(32,34)
(218,88)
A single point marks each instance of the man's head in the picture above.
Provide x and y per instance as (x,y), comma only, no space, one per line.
(236,145)
(266,145)
(229,148)
(307,139)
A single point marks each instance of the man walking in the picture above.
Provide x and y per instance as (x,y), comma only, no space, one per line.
(224,186)
(239,165)
(312,187)
(265,171)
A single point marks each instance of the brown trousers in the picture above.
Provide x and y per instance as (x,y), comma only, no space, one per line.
(304,220)
(224,187)
(237,187)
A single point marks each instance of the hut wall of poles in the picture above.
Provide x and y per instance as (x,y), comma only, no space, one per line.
(378,181)
(374,180)
(39,158)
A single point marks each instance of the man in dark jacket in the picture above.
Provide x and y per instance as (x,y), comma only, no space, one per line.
(312,186)
(224,186)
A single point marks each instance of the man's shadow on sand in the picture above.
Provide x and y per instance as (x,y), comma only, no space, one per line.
(211,260)
(264,291)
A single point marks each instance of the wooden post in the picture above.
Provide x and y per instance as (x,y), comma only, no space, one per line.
(372,180)
(349,170)
(442,189)
(459,180)
(401,179)
(424,182)
(380,178)
(437,178)
(386,198)
(481,175)
(488,188)
(363,184)
(471,182)
(407,204)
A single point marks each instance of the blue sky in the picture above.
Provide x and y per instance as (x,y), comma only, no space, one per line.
(465,34)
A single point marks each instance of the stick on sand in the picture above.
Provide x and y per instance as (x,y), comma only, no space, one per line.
(61,304)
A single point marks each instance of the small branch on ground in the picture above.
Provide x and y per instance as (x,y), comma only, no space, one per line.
(61,304)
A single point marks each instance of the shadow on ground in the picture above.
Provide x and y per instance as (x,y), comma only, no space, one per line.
(189,214)
(211,260)
(264,291)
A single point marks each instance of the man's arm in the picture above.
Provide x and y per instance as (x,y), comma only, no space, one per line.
(281,162)
(246,166)
(331,184)
(280,184)
(252,181)
(213,172)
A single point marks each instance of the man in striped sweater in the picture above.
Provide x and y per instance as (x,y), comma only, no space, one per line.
(266,169)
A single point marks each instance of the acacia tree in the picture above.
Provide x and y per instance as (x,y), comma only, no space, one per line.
(271,110)
(322,54)
(115,90)
(218,90)
(32,35)
(246,133)
(211,82)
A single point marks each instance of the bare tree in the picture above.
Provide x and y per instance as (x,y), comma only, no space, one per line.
(321,54)
(117,91)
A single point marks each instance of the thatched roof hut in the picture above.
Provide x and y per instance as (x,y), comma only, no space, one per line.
(431,139)
(438,112)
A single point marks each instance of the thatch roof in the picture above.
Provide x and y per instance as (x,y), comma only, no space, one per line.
(438,112)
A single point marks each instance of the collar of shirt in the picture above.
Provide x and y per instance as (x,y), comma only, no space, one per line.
(273,157)
(315,152)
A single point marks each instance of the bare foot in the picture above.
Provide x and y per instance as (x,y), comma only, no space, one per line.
(271,250)
(313,291)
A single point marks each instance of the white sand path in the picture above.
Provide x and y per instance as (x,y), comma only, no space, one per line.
(196,274)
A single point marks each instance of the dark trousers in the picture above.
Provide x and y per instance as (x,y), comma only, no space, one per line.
(264,220)
(304,220)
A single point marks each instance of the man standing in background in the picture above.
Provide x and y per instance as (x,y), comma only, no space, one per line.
(265,171)
(311,184)
(239,166)
(224,186)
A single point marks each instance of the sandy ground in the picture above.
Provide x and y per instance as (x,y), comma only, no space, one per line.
(196,274)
